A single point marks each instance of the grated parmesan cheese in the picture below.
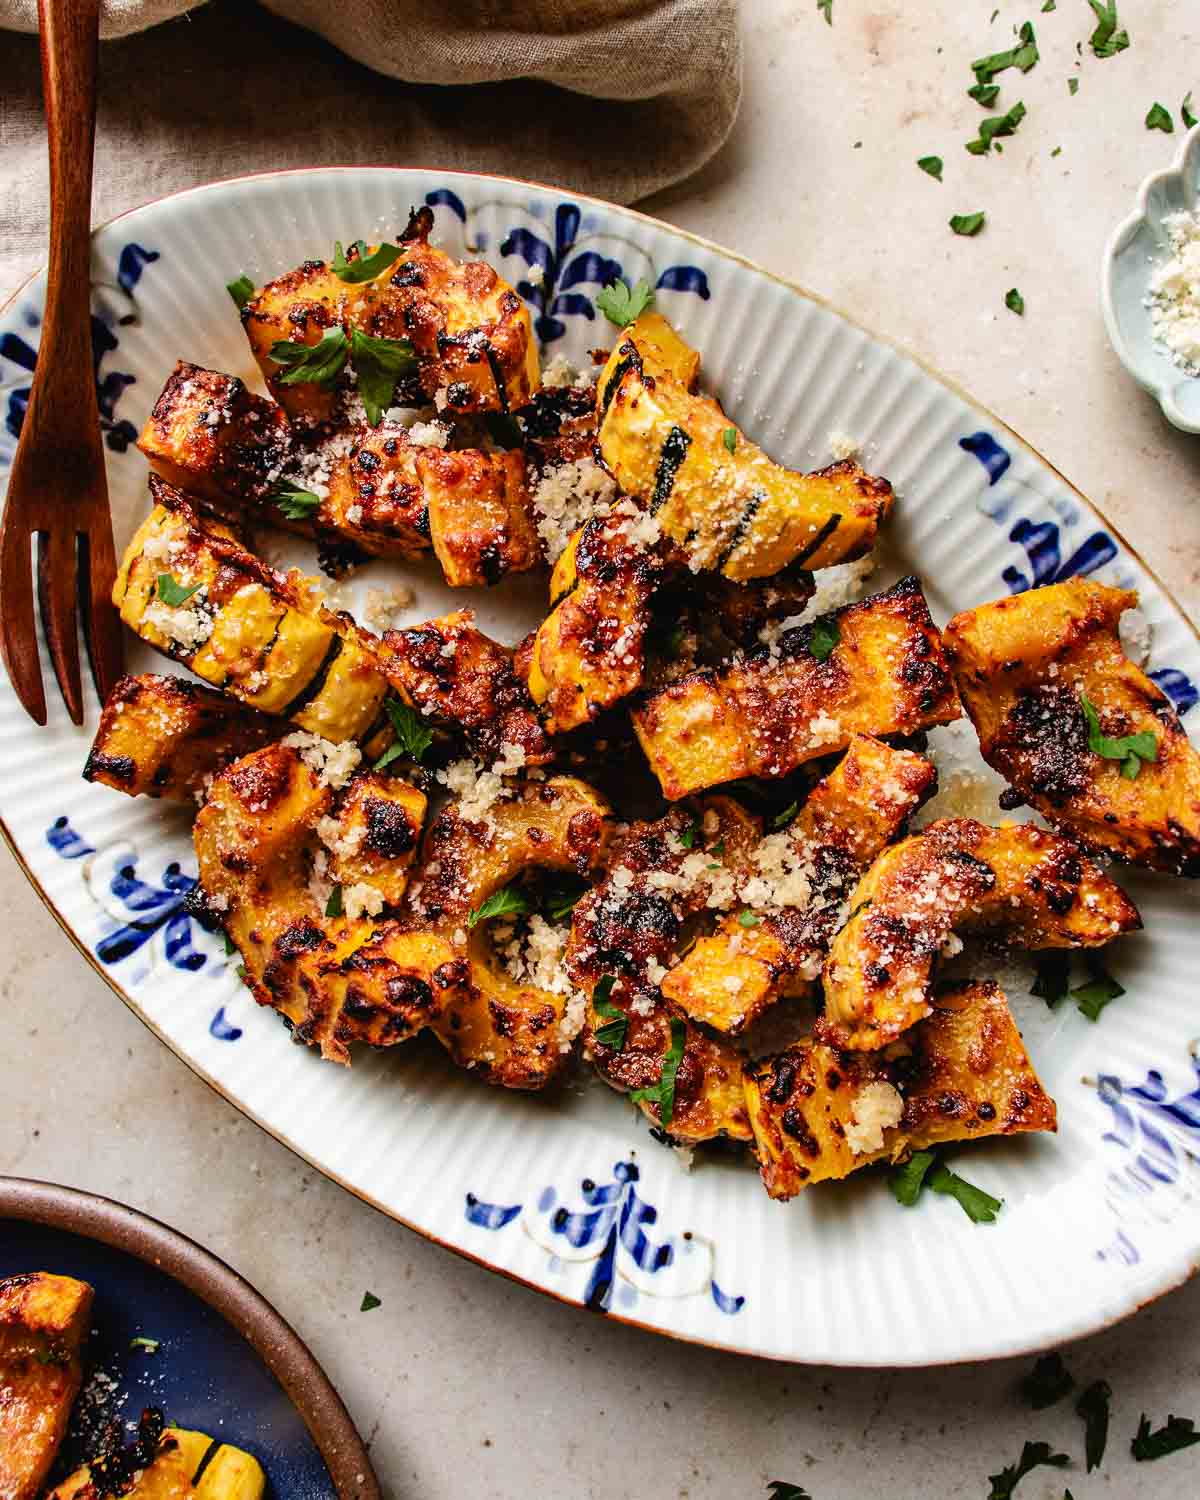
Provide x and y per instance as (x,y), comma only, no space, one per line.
(361,900)
(429,434)
(1174,298)
(842,446)
(877,1108)
(567,496)
(188,627)
(333,764)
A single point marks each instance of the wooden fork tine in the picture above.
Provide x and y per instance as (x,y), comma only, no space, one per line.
(58,592)
(101,622)
(18,633)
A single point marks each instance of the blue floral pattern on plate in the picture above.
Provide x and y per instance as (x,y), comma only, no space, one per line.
(607,1231)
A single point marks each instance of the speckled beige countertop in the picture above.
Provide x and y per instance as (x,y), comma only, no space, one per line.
(465,1384)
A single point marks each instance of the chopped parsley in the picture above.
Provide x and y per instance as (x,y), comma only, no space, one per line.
(172,593)
(968,224)
(1109,37)
(823,636)
(1185,111)
(1052,978)
(690,834)
(783,1489)
(1033,1456)
(562,900)
(1092,1406)
(1131,749)
(508,901)
(985,94)
(995,126)
(907,1181)
(1160,119)
(296,504)
(1015,302)
(1049,1381)
(413,737)
(781,820)
(333,907)
(1057,151)
(1073,85)
(826,9)
(1178,1433)
(366,267)
(151,1346)
(1023,56)
(729,438)
(241,290)
(1092,997)
(379,365)
(747,919)
(932,165)
(312,364)
(613,1034)
(979,1207)
(230,946)
(1049,6)
(621,305)
(369,1302)
(662,1093)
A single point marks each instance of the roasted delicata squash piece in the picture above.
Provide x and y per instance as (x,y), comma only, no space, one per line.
(375,497)
(1026,666)
(169,1463)
(480,516)
(43,1322)
(243,627)
(957,875)
(510,1033)
(168,736)
(780,706)
(471,333)
(729,978)
(731,509)
(819,1112)
(588,653)
(210,436)
(460,678)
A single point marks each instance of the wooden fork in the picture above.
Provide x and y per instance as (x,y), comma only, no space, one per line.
(57,491)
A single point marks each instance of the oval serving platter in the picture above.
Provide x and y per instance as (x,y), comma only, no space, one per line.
(571,1194)
(223,1362)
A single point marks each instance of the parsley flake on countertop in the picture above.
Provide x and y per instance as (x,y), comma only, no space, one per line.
(174,594)
(1185,111)
(295,503)
(1073,85)
(1049,1381)
(1178,1433)
(1092,997)
(1023,56)
(968,224)
(365,267)
(782,1489)
(932,165)
(826,9)
(369,1302)
(1130,749)
(1092,1406)
(979,1207)
(613,1035)
(984,93)
(506,902)
(662,1093)
(1015,302)
(1033,1456)
(151,1346)
(1049,6)
(622,305)
(1159,118)
(994,126)
(1109,37)
(413,737)
(312,364)
(242,289)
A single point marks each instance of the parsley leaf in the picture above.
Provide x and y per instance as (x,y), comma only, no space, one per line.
(1092,1406)
(1092,997)
(366,267)
(823,636)
(230,946)
(932,165)
(1033,1455)
(782,1489)
(1185,111)
(622,306)
(1178,1433)
(1107,40)
(151,1346)
(979,1207)
(241,290)
(563,900)
(907,1181)
(826,9)
(1015,302)
(369,1302)
(1072,86)
(613,1035)
(1052,979)
(968,224)
(747,919)
(662,1093)
(781,820)
(333,907)
(1160,119)
(996,125)
(729,438)
(1023,56)
(690,834)
(295,503)
(1049,6)
(173,593)
(1048,1382)
(312,364)
(379,364)
(985,94)
(1130,749)
(413,738)
(507,901)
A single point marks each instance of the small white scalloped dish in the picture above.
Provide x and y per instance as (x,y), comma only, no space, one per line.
(1137,247)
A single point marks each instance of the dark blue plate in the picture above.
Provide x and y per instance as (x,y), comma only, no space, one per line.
(227,1364)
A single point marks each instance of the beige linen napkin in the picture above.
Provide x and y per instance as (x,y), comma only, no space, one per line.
(227,88)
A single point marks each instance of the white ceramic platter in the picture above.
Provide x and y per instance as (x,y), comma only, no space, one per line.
(571,1194)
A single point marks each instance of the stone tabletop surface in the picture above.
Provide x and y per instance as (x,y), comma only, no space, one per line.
(463,1383)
